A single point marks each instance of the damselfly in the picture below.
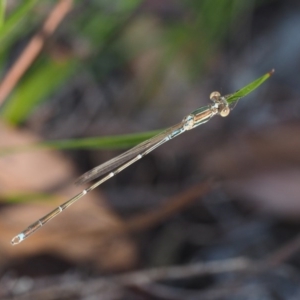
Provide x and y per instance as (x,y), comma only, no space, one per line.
(221,105)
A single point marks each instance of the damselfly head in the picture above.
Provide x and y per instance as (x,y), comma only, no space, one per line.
(220,104)
(215,97)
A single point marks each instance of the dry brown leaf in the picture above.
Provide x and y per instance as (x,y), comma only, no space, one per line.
(35,172)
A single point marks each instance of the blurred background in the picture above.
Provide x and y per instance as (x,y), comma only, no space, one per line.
(82,81)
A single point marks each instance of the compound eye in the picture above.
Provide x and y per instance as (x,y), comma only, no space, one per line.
(215,96)
(225,111)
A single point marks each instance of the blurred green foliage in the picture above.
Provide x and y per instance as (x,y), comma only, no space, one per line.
(12,28)
(2,12)
(115,32)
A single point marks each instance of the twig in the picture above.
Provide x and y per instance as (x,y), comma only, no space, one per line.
(284,253)
(145,277)
(141,278)
(174,205)
(180,272)
(33,48)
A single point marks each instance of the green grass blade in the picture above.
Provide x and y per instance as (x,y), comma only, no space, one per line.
(33,89)
(2,12)
(14,19)
(248,88)
(120,141)
(27,197)
(107,142)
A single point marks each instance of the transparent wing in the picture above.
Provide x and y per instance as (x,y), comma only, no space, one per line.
(116,162)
